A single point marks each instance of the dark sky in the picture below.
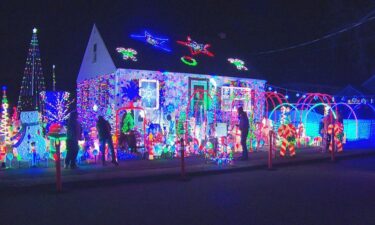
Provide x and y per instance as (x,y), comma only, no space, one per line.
(253,26)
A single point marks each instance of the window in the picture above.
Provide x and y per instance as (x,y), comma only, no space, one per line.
(235,97)
(198,87)
(103,94)
(149,91)
(94,53)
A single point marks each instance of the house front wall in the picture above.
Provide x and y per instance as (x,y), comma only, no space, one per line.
(165,95)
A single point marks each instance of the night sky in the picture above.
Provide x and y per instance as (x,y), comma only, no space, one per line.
(252,26)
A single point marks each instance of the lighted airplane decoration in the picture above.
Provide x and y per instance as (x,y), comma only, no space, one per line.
(153,40)
(196,48)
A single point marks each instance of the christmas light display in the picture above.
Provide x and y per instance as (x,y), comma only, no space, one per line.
(4,128)
(189,61)
(196,48)
(131,91)
(287,133)
(57,106)
(127,123)
(31,132)
(239,64)
(337,130)
(233,97)
(149,91)
(157,42)
(127,53)
(33,80)
(53,78)
(165,97)
(99,93)
(15,121)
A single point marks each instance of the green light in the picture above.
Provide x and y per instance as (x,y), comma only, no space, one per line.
(189,61)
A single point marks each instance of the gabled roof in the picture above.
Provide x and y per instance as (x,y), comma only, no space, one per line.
(369,84)
(151,58)
(97,60)
(350,91)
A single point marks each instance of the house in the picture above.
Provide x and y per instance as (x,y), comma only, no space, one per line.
(163,82)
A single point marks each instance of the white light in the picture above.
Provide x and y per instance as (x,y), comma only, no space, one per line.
(35,30)
(95,108)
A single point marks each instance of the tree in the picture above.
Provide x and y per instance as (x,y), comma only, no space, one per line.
(33,81)
(57,106)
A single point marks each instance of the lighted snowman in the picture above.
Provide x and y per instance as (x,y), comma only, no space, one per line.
(31,132)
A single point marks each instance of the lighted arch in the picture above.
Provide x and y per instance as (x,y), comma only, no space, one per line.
(354,114)
(285,104)
(359,105)
(271,96)
(316,105)
(324,98)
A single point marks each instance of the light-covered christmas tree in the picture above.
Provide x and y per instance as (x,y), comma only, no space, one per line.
(128,123)
(33,81)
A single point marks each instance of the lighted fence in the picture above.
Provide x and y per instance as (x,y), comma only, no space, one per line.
(366,130)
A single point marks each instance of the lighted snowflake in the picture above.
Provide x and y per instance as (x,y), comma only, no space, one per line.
(127,53)
(149,91)
(240,65)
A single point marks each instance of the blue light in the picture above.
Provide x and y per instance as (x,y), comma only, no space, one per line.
(297,95)
(270,88)
(364,129)
(152,40)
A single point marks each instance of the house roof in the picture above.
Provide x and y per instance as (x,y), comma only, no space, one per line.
(369,84)
(151,58)
(349,90)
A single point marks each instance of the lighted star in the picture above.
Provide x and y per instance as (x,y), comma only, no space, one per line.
(153,40)
(127,53)
(240,65)
(196,48)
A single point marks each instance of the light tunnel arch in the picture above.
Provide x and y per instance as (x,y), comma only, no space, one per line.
(351,112)
(317,105)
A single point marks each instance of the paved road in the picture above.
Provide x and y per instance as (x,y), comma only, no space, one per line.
(317,194)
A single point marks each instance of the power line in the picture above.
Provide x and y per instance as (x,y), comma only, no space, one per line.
(362,21)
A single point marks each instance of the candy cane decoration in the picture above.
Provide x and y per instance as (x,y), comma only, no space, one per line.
(338,131)
(286,131)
